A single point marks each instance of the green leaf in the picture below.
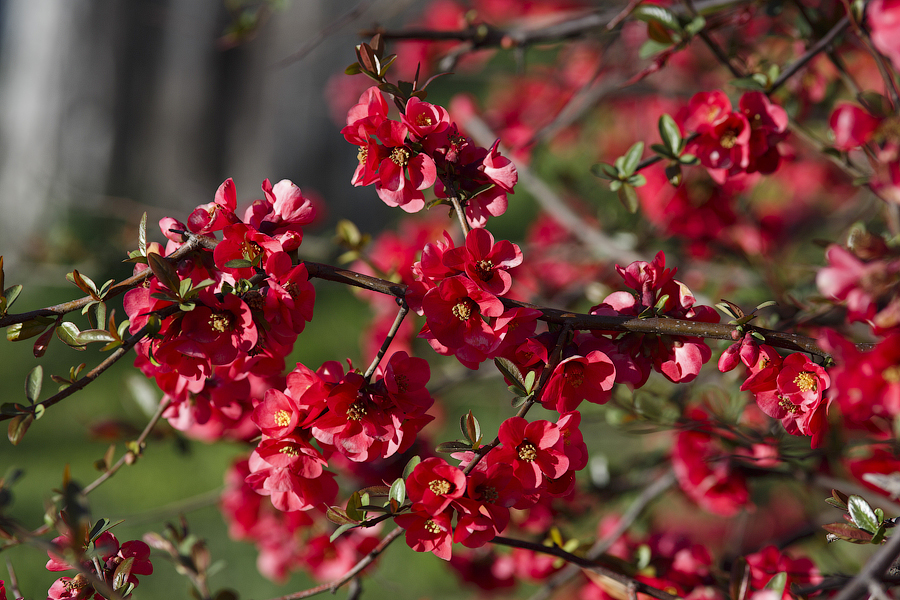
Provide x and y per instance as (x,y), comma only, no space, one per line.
(22,331)
(636,180)
(510,371)
(652,48)
(33,384)
(340,531)
(454,446)
(632,159)
(669,133)
(398,491)
(838,499)
(688,159)
(777,583)
(94,335)
(530,378)
(604,171)
(392,89)
(695,25)
(353,505)
(520,400)
(164,271)
(17,428)
(471,428)
(353,69)
(415,460)
(628,198)
(339,516)
(748,83)
(9,296)
(862,514)
(238,263)
(142,235)
(650,13)
(67,332)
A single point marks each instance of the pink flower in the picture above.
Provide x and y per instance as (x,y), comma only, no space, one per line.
(852,126)
(403,174)
(883,19)
(579,378)
(215,216)
(768,562)
(424,119)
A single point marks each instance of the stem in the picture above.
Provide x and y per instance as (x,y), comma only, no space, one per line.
(404,309)
(588,565)
(872,572)
(129,455)
(13,581)
(815,49)
(570,572)
(463,224)
(351,574)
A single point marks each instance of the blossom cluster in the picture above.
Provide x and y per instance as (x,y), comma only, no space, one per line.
(103,557)
(231,346)
(423,149)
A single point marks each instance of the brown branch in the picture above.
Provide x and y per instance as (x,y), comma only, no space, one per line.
(588,565)
(351,574)
(873,571)
(569,572)
(653,326)
(129,455)
(395,327)
(814,50)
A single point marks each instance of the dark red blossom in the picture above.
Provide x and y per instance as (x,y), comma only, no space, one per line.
(533,449)
(426,532)
(486,263)
(435,484)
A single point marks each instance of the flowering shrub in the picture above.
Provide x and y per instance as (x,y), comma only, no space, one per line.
(341,460)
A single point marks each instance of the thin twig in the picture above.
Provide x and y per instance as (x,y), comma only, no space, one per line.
(463,223)
(814,50)
(873,571)
(129,455)
(570,572)
(13,580)
(351,574)
(588,565)
(398,320)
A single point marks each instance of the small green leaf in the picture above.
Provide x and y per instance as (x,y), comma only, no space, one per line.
(669,133)
(471,428)
(340,531)
(94,335)
(22,331)
(688,159)
(9,295)
(696,24)
(862,514)
(454,446)
(650,13)
(777,584)
(520,400)
(238,263)
(164,271)
(510,371)
(415,460)
(604,171)
(339,516)
(142,235)
(530,378)
(353,69)
(398,491)
(628,198)
(652,47)
(353,505)
(748,83)
(632,159)
(636,180)
(67,332)
(17,428)
(33,384)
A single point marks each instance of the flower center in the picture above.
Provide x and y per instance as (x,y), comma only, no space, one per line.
(402,382)
(432,527)
(489,494)
(527,451)
(575,375)
(806,381)
(424,120)
(400,156)
(463,309)
(254,300)
(220,322)
(251,250)
(362,154)
(290,450)
(282,418)
(356,411)
(788,405)
(439,487)
(484,269)
(728,140)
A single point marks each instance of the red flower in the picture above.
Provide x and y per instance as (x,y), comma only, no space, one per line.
(485,262)
(426,532)
(403,174)
(768,562)
(215,216)
(532,449)
(424,119)
(282,213)
(852,126)
(579,378)
(883,19)
(435,484)
(221,328)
